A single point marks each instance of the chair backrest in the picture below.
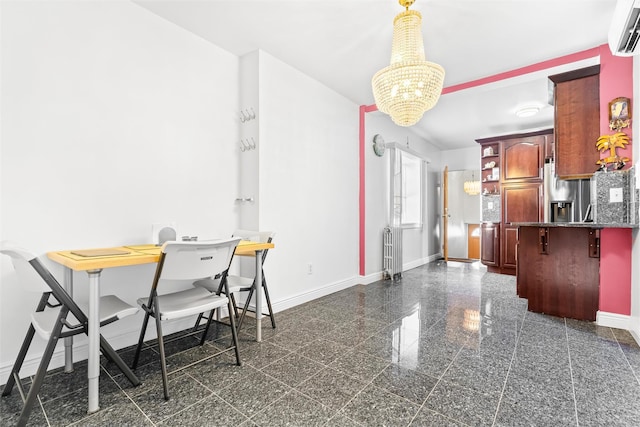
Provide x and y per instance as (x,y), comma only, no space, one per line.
(255,236)
(28,278)
(195,260)
(33,275)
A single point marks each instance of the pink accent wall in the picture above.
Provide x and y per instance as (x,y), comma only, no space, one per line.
(615,270)
(362,205)
(616,79)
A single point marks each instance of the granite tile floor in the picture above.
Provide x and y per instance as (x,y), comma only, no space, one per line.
(447,345)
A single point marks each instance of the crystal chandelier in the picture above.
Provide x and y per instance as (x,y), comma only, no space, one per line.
(472,187)
(410,85)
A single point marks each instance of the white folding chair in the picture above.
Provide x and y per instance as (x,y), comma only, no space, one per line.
(56,316)
(188,261)
(243,283)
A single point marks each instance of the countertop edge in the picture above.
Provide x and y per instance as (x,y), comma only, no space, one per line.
(572,225)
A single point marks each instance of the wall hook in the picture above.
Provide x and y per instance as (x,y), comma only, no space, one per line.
(253,146)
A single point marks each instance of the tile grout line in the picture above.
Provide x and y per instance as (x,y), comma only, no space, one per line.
(436,385)
(506,379)
(573,387)
(625,357)
(129,396)
(43,411)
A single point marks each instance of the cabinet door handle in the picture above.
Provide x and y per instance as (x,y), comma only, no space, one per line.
(543,240)
(594,243)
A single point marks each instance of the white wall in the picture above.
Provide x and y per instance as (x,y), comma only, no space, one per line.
(112,119)
(462,158)
(308,183)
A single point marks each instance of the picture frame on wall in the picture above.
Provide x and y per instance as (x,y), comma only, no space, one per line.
(619,113)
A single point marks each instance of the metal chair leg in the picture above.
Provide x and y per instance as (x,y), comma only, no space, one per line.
(206,328)
(266,296)
(245,308)
(234,334)
(15,371)
(145,322)
(111,354)
(165,377)
(42,369)
(235,306)
(195,327)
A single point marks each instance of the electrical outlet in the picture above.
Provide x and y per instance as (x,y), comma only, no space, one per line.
(309,268)
(615,195)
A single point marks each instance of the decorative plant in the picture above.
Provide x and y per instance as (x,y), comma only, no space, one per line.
(611,142)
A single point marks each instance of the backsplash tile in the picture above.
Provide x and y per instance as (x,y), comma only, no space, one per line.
(491,208)
(606,212)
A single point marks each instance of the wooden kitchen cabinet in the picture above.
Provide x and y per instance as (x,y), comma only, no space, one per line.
(576,98)
(490,243)
(522,202)
(523,158)
(519,166)
(557,272)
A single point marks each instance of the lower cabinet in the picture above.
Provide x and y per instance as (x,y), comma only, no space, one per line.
(509,247)
(558,270)
(490,243)
(523,202)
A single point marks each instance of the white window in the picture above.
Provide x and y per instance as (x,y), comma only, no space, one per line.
(411,191)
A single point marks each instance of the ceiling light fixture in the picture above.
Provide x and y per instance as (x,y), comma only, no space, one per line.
(410,85)
(472,187)
(527,111)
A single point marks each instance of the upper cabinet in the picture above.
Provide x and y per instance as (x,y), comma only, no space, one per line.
(523,158)
(576,98)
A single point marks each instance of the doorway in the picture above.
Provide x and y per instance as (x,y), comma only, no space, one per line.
(463,213)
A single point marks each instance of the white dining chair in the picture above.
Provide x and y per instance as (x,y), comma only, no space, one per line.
(238,283)
(56,316)
(188,261)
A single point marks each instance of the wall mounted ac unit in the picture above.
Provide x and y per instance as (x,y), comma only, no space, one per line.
(625,28)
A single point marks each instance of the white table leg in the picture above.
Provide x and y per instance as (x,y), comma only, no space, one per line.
(258,293)
(93,373)
(68,342)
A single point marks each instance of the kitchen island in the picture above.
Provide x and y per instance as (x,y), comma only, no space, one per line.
(574,270)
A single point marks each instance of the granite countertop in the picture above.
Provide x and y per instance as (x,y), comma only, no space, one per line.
(573,225)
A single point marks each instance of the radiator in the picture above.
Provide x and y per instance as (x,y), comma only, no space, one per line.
(392,253)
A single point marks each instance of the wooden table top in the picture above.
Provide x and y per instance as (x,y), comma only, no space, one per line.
(122,256)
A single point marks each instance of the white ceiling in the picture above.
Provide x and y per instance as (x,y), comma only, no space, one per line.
(343,43)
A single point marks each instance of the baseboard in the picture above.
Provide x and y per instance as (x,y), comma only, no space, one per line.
(635,333)
(303,297)
(414,264)
(432,258)
(613,320)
